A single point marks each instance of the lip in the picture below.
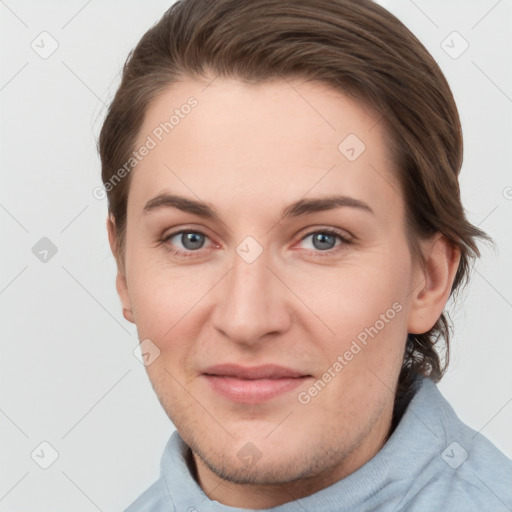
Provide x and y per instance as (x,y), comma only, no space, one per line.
(251,385)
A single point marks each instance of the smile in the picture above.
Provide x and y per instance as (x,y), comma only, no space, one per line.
(253,385)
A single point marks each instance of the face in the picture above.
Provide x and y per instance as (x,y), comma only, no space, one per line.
(266,259)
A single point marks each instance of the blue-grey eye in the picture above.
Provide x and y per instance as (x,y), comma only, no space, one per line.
(190,240)
(323,241)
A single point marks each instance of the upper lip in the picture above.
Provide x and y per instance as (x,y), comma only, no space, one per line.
(267,371)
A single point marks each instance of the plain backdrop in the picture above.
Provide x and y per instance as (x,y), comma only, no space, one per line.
(68,376)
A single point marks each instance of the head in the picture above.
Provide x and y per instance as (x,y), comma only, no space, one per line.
(282,181)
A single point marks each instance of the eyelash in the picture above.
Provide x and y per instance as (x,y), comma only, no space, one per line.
(191,254)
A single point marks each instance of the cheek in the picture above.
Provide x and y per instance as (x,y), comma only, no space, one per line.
(352,298)
(166,301)
(364,307)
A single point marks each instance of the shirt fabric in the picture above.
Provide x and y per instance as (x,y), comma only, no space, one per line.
(432,462)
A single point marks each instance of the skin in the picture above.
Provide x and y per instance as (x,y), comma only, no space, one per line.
(249,151)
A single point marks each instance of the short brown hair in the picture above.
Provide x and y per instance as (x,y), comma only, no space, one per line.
(355,46)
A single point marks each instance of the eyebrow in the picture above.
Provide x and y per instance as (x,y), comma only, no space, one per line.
(296,209)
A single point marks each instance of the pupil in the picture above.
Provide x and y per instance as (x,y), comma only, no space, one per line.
(192,240)
(323,241)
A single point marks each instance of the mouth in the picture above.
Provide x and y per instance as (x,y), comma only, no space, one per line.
(251,385)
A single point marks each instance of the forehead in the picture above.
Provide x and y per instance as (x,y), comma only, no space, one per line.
(311,115)
(279,139)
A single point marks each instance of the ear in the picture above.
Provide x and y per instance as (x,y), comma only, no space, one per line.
(121,286)
(433,284)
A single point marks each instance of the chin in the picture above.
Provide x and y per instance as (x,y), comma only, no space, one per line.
(280,469)
(267,461)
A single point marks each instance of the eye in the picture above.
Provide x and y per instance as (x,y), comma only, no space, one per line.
(324,240)
(185,241)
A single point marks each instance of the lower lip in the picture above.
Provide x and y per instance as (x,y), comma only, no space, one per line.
(252,391)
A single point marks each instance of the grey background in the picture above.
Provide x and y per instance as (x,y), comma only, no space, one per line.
(68,375)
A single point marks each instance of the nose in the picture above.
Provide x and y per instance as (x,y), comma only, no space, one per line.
(251,303)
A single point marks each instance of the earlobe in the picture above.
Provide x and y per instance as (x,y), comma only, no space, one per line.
(122,291)
(121,284)
(431,294)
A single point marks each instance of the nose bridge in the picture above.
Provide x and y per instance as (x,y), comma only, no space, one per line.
(251,303)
